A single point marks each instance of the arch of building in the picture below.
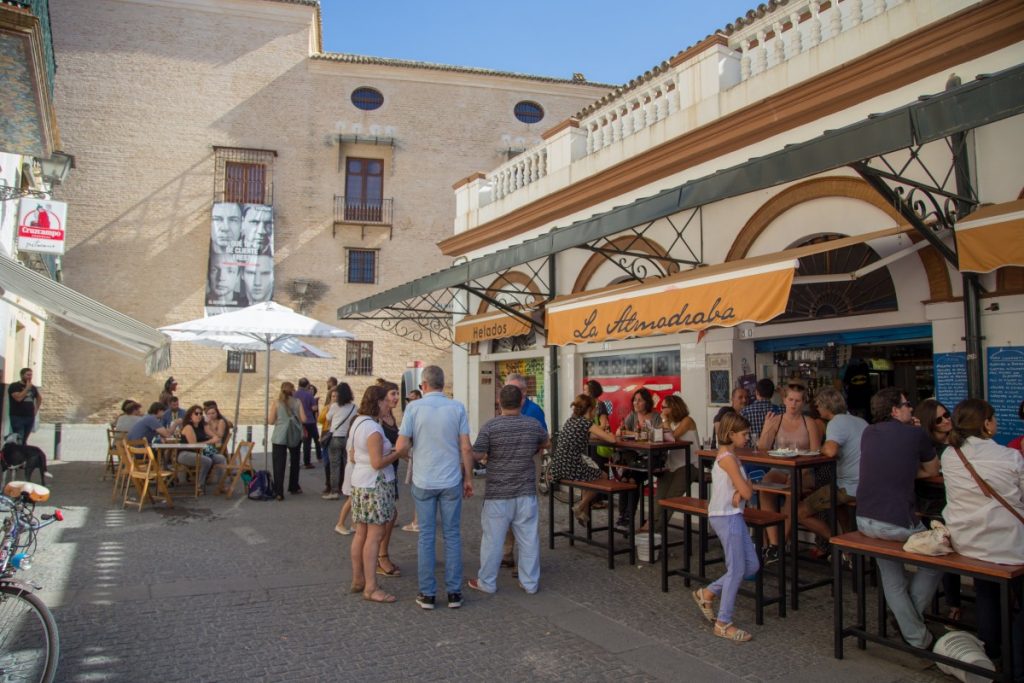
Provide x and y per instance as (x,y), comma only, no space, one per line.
(510,277)
(939,286)
(632,243)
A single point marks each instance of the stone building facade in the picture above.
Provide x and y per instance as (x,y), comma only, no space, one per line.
(157,94)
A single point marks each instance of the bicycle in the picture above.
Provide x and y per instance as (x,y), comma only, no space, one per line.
(29,643)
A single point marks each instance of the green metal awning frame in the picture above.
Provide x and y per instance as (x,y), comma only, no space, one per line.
(987,99)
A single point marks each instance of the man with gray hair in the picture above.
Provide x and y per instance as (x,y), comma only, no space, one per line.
(842,442)
(530,409)
(439,429)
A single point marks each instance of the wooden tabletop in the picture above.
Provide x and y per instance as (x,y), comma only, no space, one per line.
(184,446)
(634,445)
(763,458)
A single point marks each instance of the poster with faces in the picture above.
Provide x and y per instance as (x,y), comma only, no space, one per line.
(241,265)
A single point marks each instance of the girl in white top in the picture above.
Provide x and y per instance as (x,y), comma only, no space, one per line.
(729,492)
(373,496)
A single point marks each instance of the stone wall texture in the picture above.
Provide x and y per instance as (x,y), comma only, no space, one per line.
(145,90)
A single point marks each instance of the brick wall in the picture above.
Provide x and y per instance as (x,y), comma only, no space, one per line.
(146,89)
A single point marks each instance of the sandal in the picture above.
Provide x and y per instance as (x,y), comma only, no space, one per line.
(582,518)
(730,632)
(357,588)
(379,596)
(394,571)
(703,604)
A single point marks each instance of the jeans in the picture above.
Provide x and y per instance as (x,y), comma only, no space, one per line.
(308,440)
(449,502)
(495,519)
(189,458)
(336,463)
(281,454)
(740,560)
(21,424)
(907,599)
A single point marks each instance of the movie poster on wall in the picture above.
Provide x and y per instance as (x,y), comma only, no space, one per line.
(621,376)
(241,265)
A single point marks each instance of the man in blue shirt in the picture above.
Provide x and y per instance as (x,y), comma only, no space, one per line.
(150,426)
(441,476)
(308,400)
(760,408)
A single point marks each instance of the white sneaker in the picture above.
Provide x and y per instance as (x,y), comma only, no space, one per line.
(47,476)
(344,531)
(329,496)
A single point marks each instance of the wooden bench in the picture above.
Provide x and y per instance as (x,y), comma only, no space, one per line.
(860,547)
(607,486)
(758,520)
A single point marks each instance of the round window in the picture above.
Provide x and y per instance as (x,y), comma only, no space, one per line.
(367,99)
(529,112)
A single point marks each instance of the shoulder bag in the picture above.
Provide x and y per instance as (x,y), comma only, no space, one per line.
(325,438)
(985,487)
(293,433)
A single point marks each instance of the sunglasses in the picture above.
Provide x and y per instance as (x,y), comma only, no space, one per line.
(940,418)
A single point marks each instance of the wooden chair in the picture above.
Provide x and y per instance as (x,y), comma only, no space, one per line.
(113,454)
(124,465)
(240,461)
(146,471)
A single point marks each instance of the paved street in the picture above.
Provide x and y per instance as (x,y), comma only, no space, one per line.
(219,590)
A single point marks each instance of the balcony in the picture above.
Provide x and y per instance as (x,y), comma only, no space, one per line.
(363,212)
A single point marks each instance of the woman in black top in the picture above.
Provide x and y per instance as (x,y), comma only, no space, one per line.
(389,424)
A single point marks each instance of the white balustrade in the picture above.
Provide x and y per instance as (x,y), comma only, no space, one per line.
(523,170)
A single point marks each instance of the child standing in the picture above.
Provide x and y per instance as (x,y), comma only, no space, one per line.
(729,491)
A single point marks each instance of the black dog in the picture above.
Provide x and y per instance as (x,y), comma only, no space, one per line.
(16,455)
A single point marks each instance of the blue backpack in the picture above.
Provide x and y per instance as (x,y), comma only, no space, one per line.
(261,488)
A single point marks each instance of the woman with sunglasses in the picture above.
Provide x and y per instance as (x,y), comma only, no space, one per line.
(936,421)
(194,431)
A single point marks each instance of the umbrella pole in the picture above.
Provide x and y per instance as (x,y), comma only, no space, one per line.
(238,400)
(266,410)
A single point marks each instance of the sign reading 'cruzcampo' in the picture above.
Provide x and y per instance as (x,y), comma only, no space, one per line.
(689,302)
(489,326)
(41,226)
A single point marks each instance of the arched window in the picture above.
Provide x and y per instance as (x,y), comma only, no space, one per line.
(872,293)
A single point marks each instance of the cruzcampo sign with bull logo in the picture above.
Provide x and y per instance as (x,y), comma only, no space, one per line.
(41,225)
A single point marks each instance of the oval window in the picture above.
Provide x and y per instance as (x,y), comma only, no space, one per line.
(529,112)
(367,99)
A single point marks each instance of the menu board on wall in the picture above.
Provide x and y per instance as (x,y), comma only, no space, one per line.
(950,378)
(1005,390)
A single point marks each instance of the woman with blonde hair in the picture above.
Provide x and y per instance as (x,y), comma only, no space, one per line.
(373,495)
(287,416)
(671,483)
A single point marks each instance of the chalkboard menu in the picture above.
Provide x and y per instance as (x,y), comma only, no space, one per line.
(950,378)
(1006,389)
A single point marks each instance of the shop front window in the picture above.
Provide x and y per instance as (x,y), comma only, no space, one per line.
(871,293)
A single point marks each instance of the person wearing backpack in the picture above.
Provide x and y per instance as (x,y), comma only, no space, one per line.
(339,417)
(287,416)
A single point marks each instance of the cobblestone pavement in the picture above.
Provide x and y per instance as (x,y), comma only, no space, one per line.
(226,590)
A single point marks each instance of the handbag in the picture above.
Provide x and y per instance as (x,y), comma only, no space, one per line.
(293,433)
(985,487)
(934,541)
(325,438)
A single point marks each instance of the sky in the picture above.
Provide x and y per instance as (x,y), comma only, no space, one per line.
(608,42)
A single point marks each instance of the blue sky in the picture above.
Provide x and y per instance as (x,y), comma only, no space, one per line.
(609,42)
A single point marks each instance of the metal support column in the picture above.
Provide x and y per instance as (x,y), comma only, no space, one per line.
(554,422)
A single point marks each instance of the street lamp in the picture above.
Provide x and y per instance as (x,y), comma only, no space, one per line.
(54,170)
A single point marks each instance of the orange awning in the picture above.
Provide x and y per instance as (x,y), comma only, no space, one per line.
(724,295)
(490,325)
(991,237)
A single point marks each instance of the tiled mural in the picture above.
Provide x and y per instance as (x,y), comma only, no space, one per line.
(21,130)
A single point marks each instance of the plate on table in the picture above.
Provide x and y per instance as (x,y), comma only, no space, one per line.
(789,453)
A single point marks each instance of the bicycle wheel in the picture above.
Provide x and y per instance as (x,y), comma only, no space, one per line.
(29,646)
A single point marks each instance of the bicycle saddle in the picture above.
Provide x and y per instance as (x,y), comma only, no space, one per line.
(36,493)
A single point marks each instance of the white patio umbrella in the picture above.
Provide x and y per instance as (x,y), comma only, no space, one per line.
(266,323)
(237,342)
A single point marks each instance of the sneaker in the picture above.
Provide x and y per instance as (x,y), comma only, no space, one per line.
(339,529)
(454,600)
(329,496)
(47,476)
(425,601)
(771,555)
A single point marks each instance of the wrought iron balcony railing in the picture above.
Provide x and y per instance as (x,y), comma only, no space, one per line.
(360,210)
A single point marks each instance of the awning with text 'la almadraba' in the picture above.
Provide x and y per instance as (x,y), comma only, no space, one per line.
(991,237)
(752,290)
(490,325)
